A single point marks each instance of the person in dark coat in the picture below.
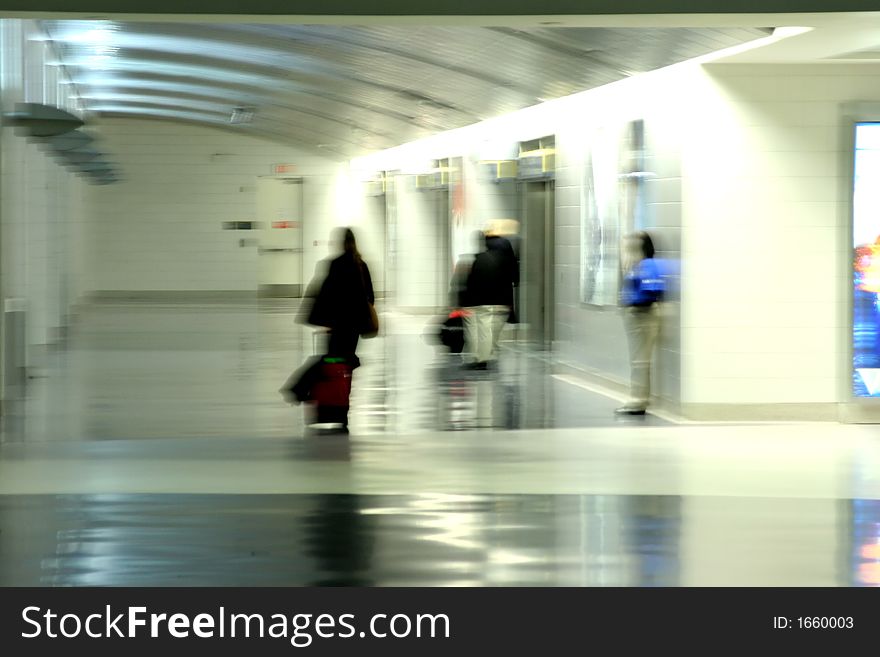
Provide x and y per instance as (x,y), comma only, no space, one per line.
(489,292)
(344,299)
(504,245)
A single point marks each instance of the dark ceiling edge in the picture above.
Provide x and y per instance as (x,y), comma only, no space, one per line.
(263,135)
(441,8)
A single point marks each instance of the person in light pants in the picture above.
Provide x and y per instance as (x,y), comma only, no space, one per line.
(640,295)
(489,294)
(642,328)
(483,325)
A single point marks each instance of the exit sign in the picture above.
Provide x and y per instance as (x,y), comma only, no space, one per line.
(281,169)
(285,224)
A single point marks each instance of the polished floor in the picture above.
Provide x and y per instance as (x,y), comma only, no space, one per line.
(155,449)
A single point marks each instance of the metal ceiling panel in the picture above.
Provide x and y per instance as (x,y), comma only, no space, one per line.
(346,90)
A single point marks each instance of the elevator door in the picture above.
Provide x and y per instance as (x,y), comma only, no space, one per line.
(441,238)
(372,238)
(538,203)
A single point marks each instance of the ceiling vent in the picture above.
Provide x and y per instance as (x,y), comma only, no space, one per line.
(242,115)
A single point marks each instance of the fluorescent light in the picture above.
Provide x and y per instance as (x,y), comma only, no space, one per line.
(97,36)
(789,31)
(99,62)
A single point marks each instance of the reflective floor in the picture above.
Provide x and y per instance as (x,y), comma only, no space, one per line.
(148,371)
(156,450)
(435,540)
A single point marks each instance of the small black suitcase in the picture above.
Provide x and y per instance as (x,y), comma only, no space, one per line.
(452,332)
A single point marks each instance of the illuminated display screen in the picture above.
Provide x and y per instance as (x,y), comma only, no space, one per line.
(866,262)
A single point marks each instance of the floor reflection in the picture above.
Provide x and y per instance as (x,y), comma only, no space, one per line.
(138,371)
(340,538)
(433,540)
(865,555)
(520,392)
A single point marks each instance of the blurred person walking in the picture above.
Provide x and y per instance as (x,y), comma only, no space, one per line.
(341,301)
(504,244)
(458,282)
(345,300)
(452,328)
(489,295)
(641,292)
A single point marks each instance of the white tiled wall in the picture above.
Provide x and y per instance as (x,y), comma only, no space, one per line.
(766,213)
(420,221)
(161,228)
(40,201)
(591,337)
(752,192)
(586,337)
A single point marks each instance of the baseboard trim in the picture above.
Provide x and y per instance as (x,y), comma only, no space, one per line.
(171,296)
(823,412)
(708,413)
(281,291)
(617,388)
(614,385)
(684,412)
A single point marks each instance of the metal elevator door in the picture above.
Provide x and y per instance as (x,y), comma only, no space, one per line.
(537,261)
(372,238)
(441,228)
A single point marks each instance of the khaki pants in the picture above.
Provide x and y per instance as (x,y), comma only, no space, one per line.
(642,328)
(482,329)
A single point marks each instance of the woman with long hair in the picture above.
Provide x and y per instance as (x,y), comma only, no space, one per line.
(344,302)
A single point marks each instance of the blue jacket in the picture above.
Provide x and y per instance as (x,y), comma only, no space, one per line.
(643,285)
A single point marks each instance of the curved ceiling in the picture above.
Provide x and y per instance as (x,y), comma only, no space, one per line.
(348,90)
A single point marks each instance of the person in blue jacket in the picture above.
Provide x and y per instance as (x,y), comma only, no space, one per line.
(641,292)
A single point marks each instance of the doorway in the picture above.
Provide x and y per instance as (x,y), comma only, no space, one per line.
(279,220)
(537,261)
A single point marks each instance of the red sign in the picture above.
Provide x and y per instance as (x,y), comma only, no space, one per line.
(285,224)
(280,169)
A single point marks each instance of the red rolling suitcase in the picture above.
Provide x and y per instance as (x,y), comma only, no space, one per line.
(331,392)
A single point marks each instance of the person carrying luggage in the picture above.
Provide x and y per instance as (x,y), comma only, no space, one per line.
(344,304)
(489,299)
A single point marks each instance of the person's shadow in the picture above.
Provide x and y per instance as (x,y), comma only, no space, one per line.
(340,539)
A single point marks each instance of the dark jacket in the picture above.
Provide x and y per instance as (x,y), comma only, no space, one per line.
(506,246)
(341,303)
(491,278)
